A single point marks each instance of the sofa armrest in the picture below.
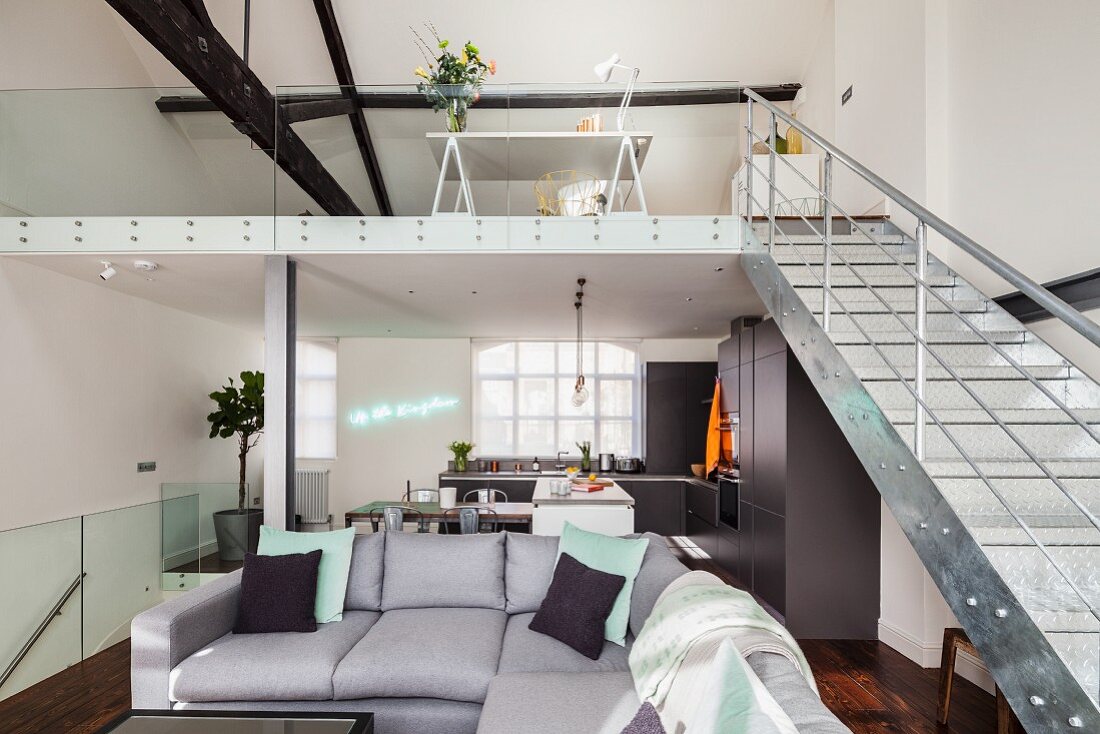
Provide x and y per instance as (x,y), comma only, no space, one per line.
(162,637)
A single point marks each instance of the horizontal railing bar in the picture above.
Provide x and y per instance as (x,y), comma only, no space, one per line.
(1093,433)
(1054,305)
(1081,507)
(962,452)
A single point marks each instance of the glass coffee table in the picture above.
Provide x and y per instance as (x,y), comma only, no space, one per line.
(143,721)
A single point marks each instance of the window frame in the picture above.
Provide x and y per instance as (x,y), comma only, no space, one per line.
(594,379)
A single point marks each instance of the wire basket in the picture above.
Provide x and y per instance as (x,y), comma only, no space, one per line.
(569,194)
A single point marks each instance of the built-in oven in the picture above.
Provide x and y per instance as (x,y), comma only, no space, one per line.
(729,498)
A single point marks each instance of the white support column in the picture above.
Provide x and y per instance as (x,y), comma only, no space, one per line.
(280,336)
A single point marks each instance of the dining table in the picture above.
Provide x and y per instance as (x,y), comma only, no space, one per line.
(516,514)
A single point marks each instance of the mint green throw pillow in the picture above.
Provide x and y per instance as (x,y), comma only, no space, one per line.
(620,556)
(332,575)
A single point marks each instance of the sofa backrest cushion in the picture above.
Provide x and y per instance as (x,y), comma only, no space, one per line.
(428,570)
(659,569)
(528,570)
(365,580)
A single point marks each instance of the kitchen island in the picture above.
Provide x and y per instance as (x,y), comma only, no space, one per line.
(609,511)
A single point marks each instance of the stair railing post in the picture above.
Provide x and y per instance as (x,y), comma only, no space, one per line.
(750,171)
(827,221)
(771,183)
(921,324)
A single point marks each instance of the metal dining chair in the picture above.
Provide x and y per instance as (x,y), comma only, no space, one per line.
(392,518)
(471,520)
(420,495)
(485,496)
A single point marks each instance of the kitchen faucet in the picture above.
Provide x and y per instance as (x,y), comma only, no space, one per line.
(560,465)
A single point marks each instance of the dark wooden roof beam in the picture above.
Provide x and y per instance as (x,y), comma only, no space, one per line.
(203,55)
(338,54)
(501,99)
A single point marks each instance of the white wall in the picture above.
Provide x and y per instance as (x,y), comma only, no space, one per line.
(95,381)
(92,382)
(374,461)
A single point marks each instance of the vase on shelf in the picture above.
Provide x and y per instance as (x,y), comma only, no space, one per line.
(456,99)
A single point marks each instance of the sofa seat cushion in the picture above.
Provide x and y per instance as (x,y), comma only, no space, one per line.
(552,703)
(435,653)
(527,651)
(278,666)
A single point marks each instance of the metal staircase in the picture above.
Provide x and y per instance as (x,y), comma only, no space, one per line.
(982,439)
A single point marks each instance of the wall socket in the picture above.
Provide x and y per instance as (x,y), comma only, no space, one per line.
(144,466)
(255,500)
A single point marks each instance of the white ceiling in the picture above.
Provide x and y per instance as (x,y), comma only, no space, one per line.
(518,294)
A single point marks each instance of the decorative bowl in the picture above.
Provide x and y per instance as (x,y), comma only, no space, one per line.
(572,472)
(699,470)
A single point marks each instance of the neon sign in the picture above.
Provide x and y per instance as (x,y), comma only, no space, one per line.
(386,412)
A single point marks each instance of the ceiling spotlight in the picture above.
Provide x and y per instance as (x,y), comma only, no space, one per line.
(411,292)
(689,298)
(145,266)
(108,270)
(719,269)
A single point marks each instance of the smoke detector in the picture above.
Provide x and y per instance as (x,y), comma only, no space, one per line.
(145,266)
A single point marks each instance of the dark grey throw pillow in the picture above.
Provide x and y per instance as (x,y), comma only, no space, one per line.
(576,606)
(278,593)
(646,721)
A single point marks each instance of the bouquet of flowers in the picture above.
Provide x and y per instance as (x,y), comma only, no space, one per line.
(451,81)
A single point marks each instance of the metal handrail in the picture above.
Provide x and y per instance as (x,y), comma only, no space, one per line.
(55,611)
(924,286)
(1038,544)
(1050,302)
(918,392)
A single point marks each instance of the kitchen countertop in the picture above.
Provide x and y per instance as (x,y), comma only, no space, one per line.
(613,495)
(627,477)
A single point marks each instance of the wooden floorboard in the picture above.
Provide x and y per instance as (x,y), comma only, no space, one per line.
(869,686)
(81,698)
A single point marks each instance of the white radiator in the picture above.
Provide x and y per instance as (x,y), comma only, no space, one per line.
(311,495)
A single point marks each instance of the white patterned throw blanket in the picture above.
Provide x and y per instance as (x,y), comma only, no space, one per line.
(689,622)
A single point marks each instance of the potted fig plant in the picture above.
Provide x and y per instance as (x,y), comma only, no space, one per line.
(461,451)
(240,414)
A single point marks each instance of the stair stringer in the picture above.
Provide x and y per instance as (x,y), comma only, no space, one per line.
(1015,650)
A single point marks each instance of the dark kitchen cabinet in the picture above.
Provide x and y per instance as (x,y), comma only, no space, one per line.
(729,550)
(518,489)
(701,533)
(769,456)
(676,414)
(658,505)
(730,395)
(808,540)
(769,552)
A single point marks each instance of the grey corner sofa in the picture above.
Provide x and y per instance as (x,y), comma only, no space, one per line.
(434,639)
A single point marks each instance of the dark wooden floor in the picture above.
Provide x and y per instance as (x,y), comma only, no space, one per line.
(80,698)
(869,686)
(208,564)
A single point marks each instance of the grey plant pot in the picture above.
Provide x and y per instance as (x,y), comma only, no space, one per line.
(237,532)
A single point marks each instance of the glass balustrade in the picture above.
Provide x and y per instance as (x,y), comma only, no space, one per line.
(69,588)
(538,167)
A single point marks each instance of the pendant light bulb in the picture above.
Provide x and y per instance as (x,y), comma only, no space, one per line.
(580,393)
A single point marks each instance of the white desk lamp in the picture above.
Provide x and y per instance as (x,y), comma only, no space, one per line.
(604,70)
